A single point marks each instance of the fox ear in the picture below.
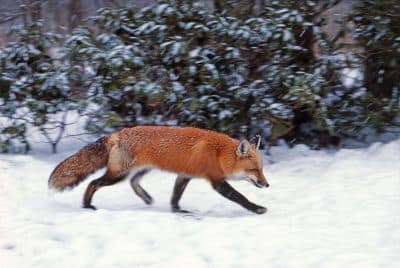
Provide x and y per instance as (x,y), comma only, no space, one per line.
(258,137)
(243,149)
(256,141)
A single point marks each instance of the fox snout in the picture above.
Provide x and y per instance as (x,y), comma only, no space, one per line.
(264,183)
(258,179)
(260,183)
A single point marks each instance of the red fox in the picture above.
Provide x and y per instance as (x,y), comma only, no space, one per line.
(188,152)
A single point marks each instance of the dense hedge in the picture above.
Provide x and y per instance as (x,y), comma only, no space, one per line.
(276,73)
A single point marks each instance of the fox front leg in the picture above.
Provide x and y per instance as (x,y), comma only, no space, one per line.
(229,192)
(180,184)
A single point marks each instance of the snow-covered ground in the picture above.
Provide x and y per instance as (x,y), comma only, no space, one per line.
(326,209)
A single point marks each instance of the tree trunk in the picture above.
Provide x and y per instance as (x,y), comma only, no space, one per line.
(76,14)
(35,7)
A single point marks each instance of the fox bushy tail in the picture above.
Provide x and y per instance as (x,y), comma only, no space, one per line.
(79,166)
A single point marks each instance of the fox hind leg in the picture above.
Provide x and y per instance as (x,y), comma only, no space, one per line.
(139,189)
(180,184)
(118,165)
(105,180)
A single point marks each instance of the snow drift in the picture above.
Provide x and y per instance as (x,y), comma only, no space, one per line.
(326,209)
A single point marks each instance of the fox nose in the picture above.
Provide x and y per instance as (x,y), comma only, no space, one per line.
(266,184)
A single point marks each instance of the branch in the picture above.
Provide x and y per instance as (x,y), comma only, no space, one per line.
(62,127)
(6,17)
(326,6)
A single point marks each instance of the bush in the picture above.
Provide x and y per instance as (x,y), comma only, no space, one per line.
(34,87)
(186,65)
(377,30)
(274,72)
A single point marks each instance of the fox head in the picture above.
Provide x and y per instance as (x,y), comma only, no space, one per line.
(249,165)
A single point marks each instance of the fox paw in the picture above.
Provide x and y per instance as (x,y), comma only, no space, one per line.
(260,210)
(148,200)
(90,206)
(179,210)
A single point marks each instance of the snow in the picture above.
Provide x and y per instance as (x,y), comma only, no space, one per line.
(326,209)
(351,77)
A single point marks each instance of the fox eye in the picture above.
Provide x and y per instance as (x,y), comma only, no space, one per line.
(252,170)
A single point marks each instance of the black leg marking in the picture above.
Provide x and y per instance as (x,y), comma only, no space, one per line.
(180,184)
(229,192)
(138,189)
(96,184)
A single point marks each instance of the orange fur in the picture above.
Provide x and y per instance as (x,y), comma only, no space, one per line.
(191,151)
